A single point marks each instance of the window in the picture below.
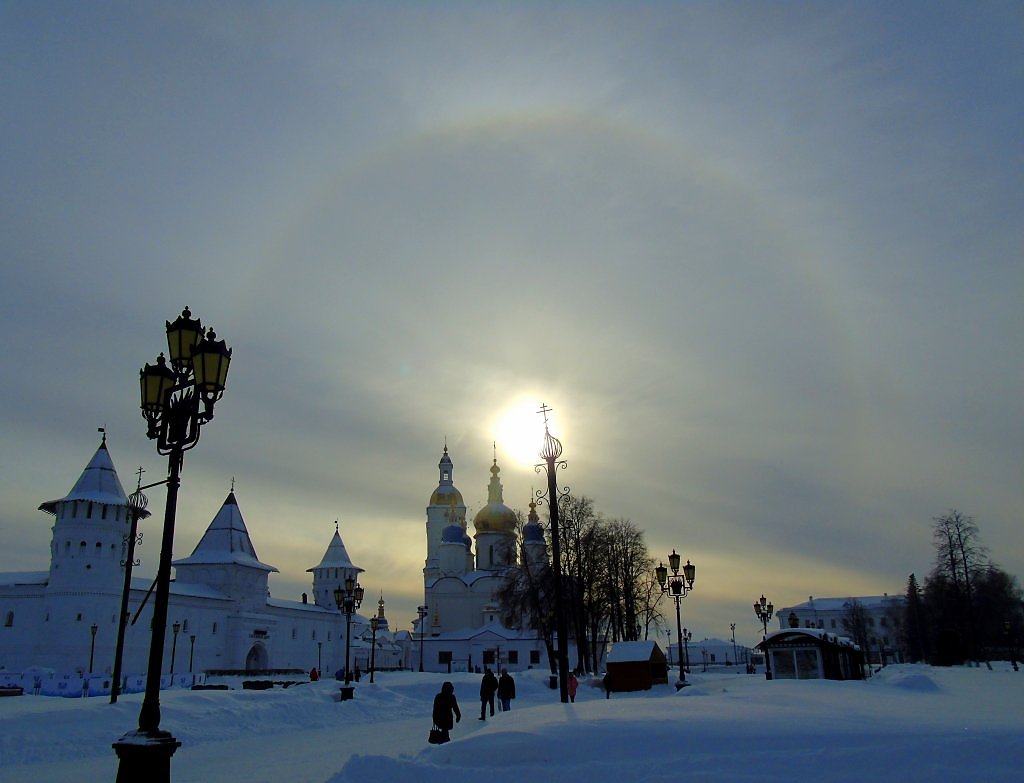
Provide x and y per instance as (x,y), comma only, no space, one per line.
(214,629)
(833,623)
(103,511)
(882,622)
(81,547)
(9,620)
(534,657)
(184,626)
(314,634)
(488,657)
(513,657)
(88,510)
(295,633)
(444,656)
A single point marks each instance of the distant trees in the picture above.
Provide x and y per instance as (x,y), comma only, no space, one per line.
(968,605)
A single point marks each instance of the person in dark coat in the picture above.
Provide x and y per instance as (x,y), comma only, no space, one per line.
(607,685)
(446,710)
(506,690)
(488,685)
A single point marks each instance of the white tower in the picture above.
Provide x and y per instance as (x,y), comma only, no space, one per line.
(225,559)
(91,527)
(335,567)
(445,508)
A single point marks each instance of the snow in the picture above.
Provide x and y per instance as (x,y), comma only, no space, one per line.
(911,723)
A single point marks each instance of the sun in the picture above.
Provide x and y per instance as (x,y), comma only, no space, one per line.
(519,432)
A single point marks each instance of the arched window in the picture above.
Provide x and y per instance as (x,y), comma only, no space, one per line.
(9,620)
(81,547)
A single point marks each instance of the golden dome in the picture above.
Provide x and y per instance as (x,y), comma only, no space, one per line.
(495,516)
(446,494)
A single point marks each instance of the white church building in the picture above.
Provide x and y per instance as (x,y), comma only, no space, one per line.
(221,615)
(461,629)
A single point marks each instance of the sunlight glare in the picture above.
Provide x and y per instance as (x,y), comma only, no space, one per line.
(519,432)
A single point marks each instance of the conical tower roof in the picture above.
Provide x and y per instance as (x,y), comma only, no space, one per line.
(98,483)
(336,555)
(226,540)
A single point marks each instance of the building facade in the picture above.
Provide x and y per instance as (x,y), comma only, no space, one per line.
(462,629)
(882,615)
(221,615)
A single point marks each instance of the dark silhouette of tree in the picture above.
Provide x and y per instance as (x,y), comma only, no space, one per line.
(856,622)
(914,635)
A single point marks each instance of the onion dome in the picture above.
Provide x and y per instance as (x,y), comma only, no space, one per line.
(453,534)
(495,516)
(532,531)
(446,494)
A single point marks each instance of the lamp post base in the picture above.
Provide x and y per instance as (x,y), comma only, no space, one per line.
(145,756)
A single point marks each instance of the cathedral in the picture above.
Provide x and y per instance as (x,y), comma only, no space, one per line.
(461,628)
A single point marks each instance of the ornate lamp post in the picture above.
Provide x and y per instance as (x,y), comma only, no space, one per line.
(176,627)
(687,638)
(551,453)
(92,645)
(421,613)
(373,645)
(732,627)
(171,397)
(137,503)
(348,600)
(764,609)
(191,651)
(678,586)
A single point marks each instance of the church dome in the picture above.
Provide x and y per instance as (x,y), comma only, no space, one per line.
(446,494)
(495,516)
(453,534)
(533,533)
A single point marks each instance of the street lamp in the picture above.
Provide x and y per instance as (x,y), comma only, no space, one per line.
(174,645)
(373,645)
(732,627)
(551,453)
(421,613)
(348,600)
(687,638)
(764,609)
(678,587)
(191,651)
(171,397)
(92,645)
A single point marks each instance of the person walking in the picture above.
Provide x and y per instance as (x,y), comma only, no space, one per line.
(572,684)
(488,685)
(607,685)
(506,690)
(446,710)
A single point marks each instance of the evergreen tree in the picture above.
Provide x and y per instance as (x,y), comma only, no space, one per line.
(915,637)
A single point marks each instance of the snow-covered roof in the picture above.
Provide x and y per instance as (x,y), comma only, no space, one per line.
(336,556)
(196,590)
(817,633)
(226,541)
(98,483)
(842,604)
(622,652)
(12,578)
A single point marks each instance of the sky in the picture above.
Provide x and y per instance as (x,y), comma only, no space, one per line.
(763,261)
(908,723)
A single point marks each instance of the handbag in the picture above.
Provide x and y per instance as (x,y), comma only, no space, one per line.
(437,736)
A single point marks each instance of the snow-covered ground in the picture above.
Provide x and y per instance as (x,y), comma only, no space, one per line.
(908,723)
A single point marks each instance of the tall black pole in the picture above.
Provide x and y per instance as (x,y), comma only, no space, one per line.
(556,555)
(191,651)
(679,631)
(137,503)
(92,646)
(348,633)
(145,754)
(373,647)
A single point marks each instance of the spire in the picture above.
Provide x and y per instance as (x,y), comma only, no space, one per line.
(494,488)
(226,541)
(97,484)
(336,555)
